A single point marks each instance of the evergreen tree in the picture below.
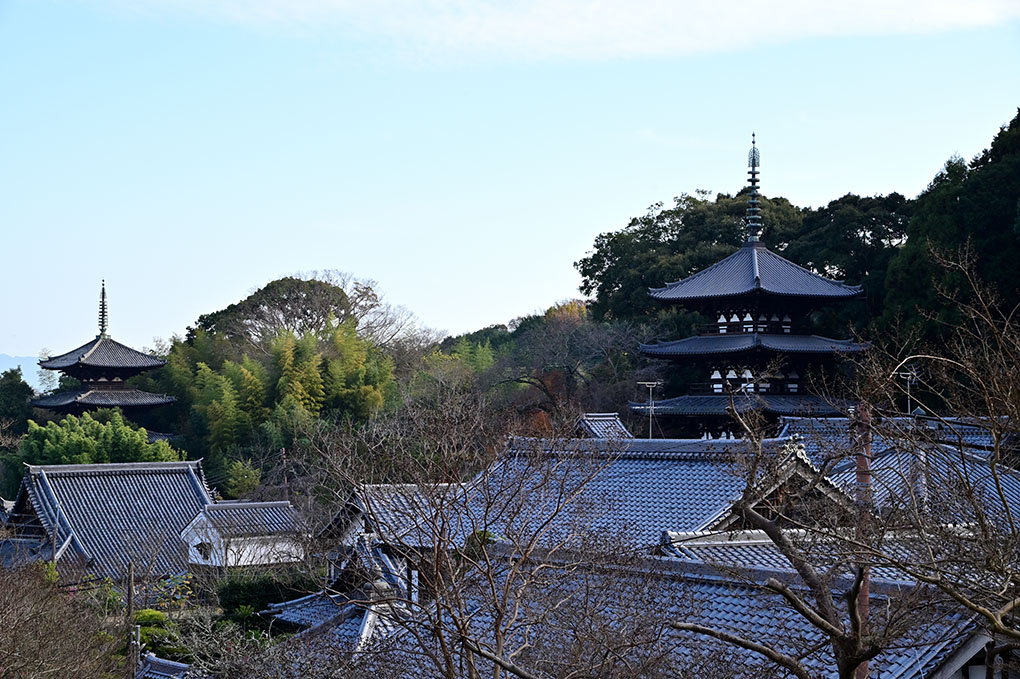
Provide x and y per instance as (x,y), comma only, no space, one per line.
(92,438)
(975,205)
(15,394)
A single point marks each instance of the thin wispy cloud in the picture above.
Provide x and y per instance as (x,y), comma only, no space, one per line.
(595,29)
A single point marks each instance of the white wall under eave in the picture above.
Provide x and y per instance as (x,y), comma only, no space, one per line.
(261,550)
(258,551)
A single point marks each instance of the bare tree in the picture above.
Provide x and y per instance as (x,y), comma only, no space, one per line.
(566,358)
(954,489)
(476,558)
(377,319)
(46,630)
(931,501)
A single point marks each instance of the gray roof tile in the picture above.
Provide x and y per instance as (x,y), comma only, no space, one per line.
(603,426)
(110,514)
(238,519)
(628,599)
(830,437)
(750,269)
(633,488)
(720,405)
(154,667)
(707,345)
(752,549)
(311,610)
(899,476)
(103,352)
(102,398)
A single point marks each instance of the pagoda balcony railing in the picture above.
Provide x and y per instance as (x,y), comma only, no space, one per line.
(721,388)
(104,385)
(745,327)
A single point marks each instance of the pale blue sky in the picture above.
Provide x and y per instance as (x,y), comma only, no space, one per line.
(462,154)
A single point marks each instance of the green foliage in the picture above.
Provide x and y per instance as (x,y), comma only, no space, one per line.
(302,307)
(105,597)
(173,592)
(217,403)
(244,612)
(14,400)
(151,617)
(667,244)
(496,336)
(236,392)
(242,594)
(242,479)
(92,438)
(50,574)
(477,355)
(474,544)
(233,394)
(298,366)
(852,238)
(975,205)
(159,635)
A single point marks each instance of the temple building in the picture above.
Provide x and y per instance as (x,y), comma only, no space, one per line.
(102,365)
(757,353)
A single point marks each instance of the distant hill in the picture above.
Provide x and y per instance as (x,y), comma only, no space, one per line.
(29,367)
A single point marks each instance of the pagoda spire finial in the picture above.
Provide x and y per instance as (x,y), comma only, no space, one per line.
(753,204)
(104,318)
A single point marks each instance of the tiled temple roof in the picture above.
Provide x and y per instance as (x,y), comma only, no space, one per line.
(309,611)
(110,514)
(102,398)
(752,549)
(241,519)
(633,488)
(707,345)
(603,426)
(754,268)
(825,436)
(649,593)
(103,352)
(775,404)
(154,667)
(901,473)
(404,512)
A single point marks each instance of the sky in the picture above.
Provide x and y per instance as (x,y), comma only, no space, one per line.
(461,153)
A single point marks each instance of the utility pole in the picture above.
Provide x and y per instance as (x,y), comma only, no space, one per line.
(651,401)
(910,375)
(286,481)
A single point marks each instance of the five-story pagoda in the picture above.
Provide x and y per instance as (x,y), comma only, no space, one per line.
(102,366)
(756,353)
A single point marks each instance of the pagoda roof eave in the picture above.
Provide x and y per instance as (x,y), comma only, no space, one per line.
(103,352)
(853,290)
(102,398)
(723,405)
(736,343)
(754,269)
